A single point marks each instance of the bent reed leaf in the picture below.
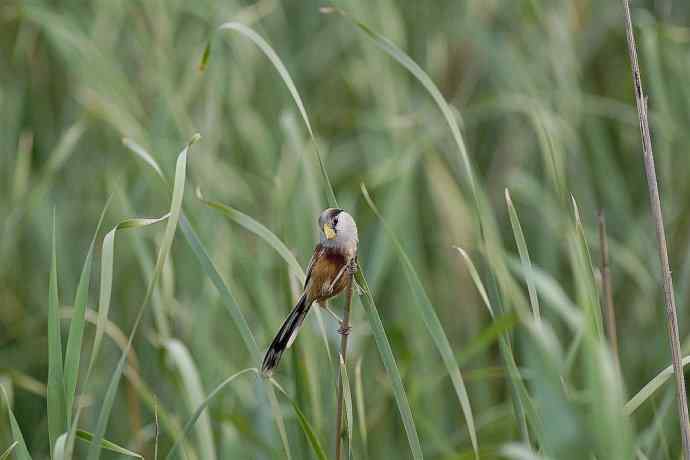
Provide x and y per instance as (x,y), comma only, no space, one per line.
(166,243)
(229,299)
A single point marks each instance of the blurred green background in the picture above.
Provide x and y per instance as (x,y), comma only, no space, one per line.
(543,97)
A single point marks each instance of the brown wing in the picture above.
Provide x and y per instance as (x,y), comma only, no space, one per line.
(326,266)
(318,252)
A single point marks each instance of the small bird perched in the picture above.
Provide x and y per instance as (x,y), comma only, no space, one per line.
(330,270)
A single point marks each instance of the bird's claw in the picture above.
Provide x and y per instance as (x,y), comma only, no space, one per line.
(344,330)
(352,267)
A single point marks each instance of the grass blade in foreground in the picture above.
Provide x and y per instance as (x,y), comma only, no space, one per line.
(524,255)
(391,367)
(433,326)
(57,422)
(5,455)
(76,329)
(21,452)
(108,445)
(166,243)
(650,388)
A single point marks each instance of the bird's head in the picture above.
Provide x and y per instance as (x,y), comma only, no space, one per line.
(337,227)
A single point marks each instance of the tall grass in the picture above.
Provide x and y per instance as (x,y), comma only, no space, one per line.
(438,112)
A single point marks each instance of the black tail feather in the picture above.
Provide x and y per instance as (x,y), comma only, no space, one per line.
(285,336)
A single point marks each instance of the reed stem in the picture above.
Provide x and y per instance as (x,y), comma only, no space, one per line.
(671,315)
(344,335)
(607,293)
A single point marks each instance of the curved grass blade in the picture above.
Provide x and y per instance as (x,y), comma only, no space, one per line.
(57,422)
(584,274)
(524,255)
(258,229)
(5,455)
(651,387)
(403,59)
(204,259)
(433,326)
(199,410)
(280,67)
(304,424)
(193,394)
(227,296)
(107,260)
(391,367)
(144,155)
(474,274)
(166,243)
(21,452)
(108,445)
(76,329)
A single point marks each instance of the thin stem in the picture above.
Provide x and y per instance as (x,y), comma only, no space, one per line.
(607,294)
(344,335)
(671,316)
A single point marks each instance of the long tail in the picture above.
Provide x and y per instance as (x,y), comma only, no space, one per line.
(286,335)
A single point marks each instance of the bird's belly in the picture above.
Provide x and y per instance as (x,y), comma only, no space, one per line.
(328,291)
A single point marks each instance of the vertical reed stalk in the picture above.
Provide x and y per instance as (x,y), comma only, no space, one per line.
(607,293)
(671,316)
(344,335)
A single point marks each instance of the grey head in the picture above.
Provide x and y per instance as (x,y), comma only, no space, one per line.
(339,231)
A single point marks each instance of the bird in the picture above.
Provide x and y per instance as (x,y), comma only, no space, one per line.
(330,270)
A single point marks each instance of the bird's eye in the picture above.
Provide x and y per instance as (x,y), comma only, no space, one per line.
(335,222)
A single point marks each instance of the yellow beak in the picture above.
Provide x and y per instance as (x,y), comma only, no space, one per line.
(328,231)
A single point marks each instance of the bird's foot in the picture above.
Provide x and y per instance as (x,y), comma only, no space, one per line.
(344,330)
(352,267)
